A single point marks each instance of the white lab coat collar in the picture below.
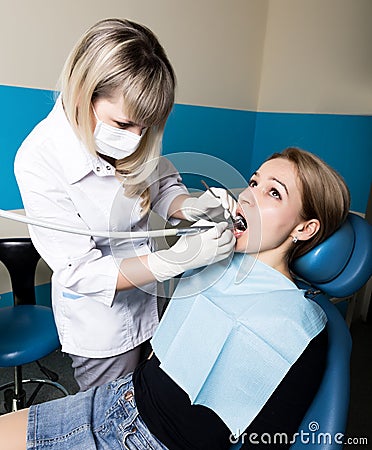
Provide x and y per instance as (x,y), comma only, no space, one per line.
(75,157)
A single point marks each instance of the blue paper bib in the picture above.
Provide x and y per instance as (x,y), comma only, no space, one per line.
(229,344)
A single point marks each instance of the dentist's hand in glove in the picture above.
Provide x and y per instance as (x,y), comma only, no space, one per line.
(207,206)
(193,251)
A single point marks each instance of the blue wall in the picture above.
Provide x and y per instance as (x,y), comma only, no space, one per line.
(226,134)
(241,138)
(42,293)
(343,141)
(20,110)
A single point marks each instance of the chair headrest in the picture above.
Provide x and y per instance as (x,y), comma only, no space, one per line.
(341,264)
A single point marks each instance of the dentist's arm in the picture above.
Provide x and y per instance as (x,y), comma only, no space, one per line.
(189,252)
(206,206)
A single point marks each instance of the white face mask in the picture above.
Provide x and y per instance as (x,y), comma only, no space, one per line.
(114,142)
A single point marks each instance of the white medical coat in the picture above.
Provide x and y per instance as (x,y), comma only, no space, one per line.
(61,182)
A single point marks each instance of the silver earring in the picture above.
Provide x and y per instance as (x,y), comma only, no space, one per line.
(294,239)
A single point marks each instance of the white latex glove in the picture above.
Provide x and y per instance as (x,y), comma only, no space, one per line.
(193,251)
(207,206)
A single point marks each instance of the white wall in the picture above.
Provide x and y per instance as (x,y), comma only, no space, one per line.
(317,57)
(214,45)
(296,55)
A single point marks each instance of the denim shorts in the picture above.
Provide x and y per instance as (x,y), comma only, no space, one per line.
(103,418)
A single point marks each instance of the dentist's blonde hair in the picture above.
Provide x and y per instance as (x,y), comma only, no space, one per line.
(120,56)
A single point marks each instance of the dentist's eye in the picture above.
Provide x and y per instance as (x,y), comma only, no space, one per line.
(123,125)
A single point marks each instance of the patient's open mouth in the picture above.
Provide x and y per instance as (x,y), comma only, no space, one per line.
(240,225)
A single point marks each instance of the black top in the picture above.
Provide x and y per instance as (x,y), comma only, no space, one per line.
(169,415)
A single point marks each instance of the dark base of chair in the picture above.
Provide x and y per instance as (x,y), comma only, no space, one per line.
(14,401)
(15,395)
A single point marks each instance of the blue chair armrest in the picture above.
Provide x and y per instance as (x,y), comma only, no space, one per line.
(329,409)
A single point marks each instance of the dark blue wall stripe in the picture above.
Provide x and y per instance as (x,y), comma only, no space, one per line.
(343,141)
(226,134)
(20,110)
(241,138)
(42,292)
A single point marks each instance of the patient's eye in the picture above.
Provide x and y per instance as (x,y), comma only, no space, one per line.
(275,193)
(252,183)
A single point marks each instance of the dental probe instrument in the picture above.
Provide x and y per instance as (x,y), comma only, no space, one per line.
(107,234)
(219,198)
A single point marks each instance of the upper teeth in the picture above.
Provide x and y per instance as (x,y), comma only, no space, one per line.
(240,222)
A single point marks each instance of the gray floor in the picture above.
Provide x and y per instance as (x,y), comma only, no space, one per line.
(360,415)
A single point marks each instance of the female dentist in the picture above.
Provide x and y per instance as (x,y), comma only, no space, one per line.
(94,162)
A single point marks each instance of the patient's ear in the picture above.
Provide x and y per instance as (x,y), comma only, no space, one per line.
(306,230)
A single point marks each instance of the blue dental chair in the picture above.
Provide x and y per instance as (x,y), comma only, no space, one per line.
(338,267)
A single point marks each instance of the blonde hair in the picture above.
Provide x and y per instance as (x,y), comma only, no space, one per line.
(122,56)
(324,194)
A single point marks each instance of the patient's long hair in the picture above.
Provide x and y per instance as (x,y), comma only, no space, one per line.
(324,195)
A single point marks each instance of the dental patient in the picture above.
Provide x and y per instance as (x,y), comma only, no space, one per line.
(239,351)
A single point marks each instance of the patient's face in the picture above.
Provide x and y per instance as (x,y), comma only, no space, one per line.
(271,205)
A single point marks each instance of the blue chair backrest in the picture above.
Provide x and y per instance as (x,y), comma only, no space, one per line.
(341,264)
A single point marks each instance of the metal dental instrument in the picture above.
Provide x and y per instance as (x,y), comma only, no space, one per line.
(107,234)
(219,198)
